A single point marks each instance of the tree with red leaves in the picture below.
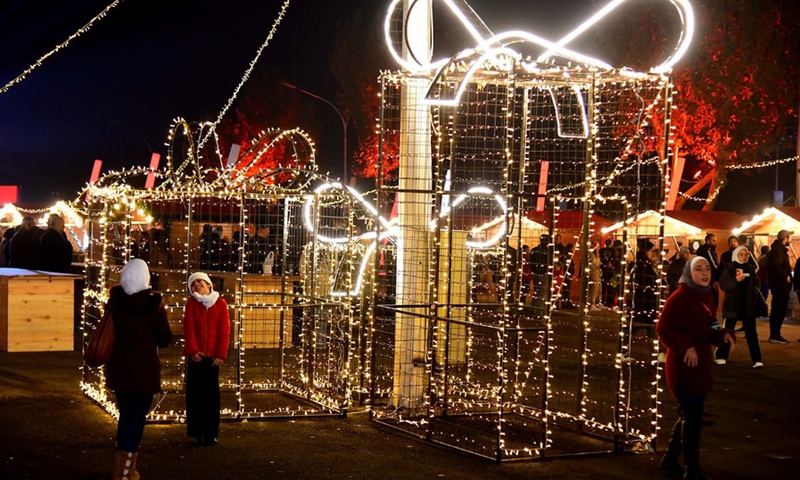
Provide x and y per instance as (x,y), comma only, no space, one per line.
(737,90)
(260,106)
(356,63)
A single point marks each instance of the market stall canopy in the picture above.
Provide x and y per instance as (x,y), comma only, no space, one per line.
(531,230)
(569,220)
(771,221)
(718,223)
(648,224)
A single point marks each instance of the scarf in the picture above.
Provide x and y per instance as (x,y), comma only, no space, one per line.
(207,300)
(686,278)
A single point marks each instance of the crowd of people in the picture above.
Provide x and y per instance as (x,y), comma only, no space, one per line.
(30,247)
(217,253)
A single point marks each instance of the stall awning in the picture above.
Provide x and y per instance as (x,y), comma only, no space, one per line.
(771,221)
(647,224)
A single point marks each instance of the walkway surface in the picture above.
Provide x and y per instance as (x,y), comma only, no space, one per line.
(49,430)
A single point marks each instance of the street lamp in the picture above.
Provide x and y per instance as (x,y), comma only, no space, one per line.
(345,121)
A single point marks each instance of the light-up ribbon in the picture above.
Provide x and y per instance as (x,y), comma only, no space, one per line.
(390,230)
(491,47)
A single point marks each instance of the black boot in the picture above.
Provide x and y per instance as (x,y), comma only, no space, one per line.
(670,462)
(693,420)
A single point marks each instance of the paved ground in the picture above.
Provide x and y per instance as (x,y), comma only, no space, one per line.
(49,430)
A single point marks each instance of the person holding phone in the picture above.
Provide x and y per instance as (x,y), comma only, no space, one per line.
(740,283)
(689,328)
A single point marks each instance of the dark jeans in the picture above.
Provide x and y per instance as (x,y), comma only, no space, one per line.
(202,399)
(751,335)
(780,301)
(133,408)
(686,431)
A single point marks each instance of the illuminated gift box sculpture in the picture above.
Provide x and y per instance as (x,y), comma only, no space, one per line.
(470,348)
(290,338)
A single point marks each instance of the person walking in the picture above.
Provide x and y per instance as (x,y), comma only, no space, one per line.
(779,274)
(739,282)
(708,250)
(134,371)
(687,328)
(206,331)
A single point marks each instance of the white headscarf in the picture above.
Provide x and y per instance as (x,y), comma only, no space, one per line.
(135,276)
(735,255)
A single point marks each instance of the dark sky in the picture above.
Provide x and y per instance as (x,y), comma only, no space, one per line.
(113,92)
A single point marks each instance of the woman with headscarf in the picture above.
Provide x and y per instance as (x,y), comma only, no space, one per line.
(740,283)
(206,332)
(134,371)
(689,328)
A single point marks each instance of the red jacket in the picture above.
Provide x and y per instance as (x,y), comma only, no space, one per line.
(687,321)
(206,331)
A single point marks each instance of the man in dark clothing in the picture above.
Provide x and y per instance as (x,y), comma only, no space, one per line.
(727,257)
(675,270)
(258,248)
(540,261)
(24,247)
(708,250)
(779,272)
(56,252)
(5,254)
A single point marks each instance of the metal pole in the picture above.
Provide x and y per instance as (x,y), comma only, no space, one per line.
(345,121)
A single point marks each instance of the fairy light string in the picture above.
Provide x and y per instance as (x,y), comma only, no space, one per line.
(59,47)
(247,72)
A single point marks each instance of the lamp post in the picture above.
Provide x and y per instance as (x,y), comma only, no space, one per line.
(345,121)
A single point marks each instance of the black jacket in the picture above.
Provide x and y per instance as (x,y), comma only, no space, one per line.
(24,249)
(710,254)
(778,267)
(740,297)
(56,252)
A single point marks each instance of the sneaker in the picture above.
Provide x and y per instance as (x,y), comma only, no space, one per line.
(779,340)
(758,365)
(720,361)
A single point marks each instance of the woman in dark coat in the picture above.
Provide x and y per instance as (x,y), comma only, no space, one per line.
(740,283)
(134,371)
(689,328)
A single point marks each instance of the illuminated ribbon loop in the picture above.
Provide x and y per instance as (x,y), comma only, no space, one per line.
(490,48)
(390,230)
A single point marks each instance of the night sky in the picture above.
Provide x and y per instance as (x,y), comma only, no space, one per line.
(113,92)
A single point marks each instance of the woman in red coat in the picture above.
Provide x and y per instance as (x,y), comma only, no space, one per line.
(689,328)
(206,331)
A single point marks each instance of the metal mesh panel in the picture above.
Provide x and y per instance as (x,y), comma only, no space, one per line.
(500,309)
(289,347)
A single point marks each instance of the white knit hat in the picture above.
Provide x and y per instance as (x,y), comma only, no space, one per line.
(199,276)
